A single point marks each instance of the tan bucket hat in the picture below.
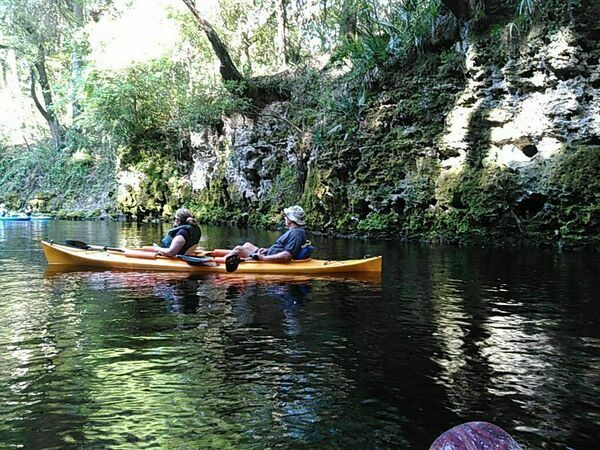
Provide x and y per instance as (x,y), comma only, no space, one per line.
(295,214)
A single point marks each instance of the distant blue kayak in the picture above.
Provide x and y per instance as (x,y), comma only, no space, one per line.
(15,219)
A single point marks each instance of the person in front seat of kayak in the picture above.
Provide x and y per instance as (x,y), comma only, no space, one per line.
(3,210)
(183,238)
(286,247)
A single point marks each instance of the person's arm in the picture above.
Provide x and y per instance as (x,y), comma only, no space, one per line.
(176,244)
(282,257)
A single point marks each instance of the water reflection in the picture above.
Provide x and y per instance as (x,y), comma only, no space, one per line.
(497,331)
(248,356)
(108,359)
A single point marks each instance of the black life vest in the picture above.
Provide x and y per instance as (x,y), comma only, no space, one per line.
(194,232)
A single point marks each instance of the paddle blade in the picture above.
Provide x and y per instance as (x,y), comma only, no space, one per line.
(77,244)
(197,260)
(232,263)
(83,246)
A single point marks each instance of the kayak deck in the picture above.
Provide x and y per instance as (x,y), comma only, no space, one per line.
(69,256)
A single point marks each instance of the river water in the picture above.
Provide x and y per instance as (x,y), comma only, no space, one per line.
(104,359)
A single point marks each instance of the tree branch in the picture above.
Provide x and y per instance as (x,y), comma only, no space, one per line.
(39,106)
(228,70)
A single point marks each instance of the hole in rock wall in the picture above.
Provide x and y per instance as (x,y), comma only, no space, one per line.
(529,150)
(531,204)
(361,207)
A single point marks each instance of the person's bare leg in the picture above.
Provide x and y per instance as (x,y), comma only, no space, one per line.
(234,257)
(243,251)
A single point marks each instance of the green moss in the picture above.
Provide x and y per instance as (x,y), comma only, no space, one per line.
(378,222)
(285,189)
(574,195)
(476,204)
(316,198)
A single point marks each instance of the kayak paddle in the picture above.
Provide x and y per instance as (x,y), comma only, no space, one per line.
(82,245)
(231,263)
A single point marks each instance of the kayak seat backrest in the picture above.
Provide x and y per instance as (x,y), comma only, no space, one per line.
(305,251)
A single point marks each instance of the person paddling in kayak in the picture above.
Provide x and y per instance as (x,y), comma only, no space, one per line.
(286,248)
(3,210)
(183,238)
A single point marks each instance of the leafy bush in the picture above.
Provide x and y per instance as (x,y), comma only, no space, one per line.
(378,222)
(58,179)
(147,106)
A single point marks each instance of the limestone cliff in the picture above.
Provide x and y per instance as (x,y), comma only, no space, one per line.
(495,137)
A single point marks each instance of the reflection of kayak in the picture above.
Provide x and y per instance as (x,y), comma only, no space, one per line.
(69,256)
(235,279)
(41,217)
(15,219)
(143,278)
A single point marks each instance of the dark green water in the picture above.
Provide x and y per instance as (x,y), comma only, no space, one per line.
(144,360)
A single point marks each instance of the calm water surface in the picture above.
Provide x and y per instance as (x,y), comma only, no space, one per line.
(92,359)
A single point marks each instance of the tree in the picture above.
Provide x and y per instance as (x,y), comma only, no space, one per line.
(228,70)
(76,60)
(41,33)
(33,29)
(39,73)
(252,88)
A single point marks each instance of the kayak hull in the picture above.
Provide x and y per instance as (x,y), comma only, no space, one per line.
(68,256)
(15,219)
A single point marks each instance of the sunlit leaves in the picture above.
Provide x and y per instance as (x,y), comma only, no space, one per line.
(146,105)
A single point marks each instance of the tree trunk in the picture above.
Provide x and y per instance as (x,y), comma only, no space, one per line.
(282,30)
(228,70)
(260,93)
(76,62)
(47,112)
(348,26)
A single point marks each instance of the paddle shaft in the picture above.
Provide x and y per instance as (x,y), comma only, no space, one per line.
(144,253)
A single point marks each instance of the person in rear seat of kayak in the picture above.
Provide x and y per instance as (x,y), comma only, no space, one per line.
(183,238)
(286,247)
(3,210)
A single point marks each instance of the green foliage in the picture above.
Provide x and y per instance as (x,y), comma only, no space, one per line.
(29,24)
(252,30)
(378,222)
(363,53)
(56,179)
(575,194)
(477,203)
(146,106)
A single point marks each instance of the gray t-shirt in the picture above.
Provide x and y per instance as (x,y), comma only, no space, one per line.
(291,241)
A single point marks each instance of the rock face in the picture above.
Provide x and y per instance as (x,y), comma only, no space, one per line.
(495,138)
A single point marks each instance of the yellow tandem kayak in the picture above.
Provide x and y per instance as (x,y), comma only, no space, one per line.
(111,259)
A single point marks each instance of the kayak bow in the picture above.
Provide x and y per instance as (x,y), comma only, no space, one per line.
(108,259)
